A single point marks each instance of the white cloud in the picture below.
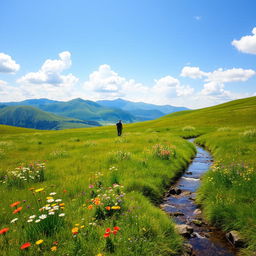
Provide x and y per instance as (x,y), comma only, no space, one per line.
(3,82)
(49,80)
(216,79)
(7,64)
(197,18)
(246,44)
(107,84)
(192,72)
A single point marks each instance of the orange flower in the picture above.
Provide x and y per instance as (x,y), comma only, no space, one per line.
(54,248)
(25,246)
(90,207)
(15,204)
(75,230)
(108,208)
(17,210)
(3,231)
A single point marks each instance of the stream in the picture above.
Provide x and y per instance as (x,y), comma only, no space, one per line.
(202,239)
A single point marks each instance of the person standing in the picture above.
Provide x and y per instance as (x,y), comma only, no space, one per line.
(119,127)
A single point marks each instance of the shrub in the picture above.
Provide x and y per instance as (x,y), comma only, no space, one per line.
(188,128)
(163,152)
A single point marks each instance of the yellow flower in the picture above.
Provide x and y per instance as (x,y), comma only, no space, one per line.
(39,190)
(49,197)
(82,226)
(62,204)
(99,254)
(75,230)
(39,242)
(77,225)
(54,248)
(116,207)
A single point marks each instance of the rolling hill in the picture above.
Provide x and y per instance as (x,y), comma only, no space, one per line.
(142,111)
(31,117)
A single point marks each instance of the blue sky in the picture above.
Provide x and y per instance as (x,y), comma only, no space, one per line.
(192,53)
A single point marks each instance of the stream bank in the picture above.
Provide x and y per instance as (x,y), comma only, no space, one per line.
(202,238)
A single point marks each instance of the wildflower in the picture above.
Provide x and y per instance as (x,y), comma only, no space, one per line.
(55,243)
(106,235)
(43,216)
(32,216)
(54,248)
(50,200)
(39,190)
(75,230)
(81,226)
(61,214)
(62,204)
(53,194)
(116,228)
(108,230)
(31,189)
(58,200)
(4,231)
(64,191)
(108,208)
(36,221)
(14,220)
(99,254)
(25,246)
(49,197)
(29,220)
(90,207)
(15,204)
(51,213)
(116,207)
(38,242)
(17,210)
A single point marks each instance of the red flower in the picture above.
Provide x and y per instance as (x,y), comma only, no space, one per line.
(15,204)
(25,246)
(114,232)
(108,230)
(116,228)
(106,234)
(17,210)
(3,231)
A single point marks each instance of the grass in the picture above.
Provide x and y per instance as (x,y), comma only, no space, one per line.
(82,165)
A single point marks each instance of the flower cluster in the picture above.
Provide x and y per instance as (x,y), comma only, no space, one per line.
(33,172)
(108,201)
(108,231)
(164,152)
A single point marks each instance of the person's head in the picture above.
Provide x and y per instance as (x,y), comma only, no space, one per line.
(120,121)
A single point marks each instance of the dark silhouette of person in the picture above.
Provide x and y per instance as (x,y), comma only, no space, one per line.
(119,127)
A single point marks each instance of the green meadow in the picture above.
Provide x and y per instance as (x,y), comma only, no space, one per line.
(88,192)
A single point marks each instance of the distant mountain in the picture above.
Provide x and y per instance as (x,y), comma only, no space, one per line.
(80,109)
(141,110)
(31,117)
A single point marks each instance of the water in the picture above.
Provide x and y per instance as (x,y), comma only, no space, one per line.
(205,240)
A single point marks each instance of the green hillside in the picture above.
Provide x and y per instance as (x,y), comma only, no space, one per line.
(30,117)
(81,166)
(79,109)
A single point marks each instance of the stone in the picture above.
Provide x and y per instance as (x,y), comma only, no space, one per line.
(184,230)
(235,238)
(187,249)
(175,191)
(189,173)
(176,214)
(198,223)
(197,212)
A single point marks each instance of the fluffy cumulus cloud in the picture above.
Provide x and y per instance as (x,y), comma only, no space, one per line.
(49,80)
(246,44)
(7,64)
(105,83)
(215,81)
